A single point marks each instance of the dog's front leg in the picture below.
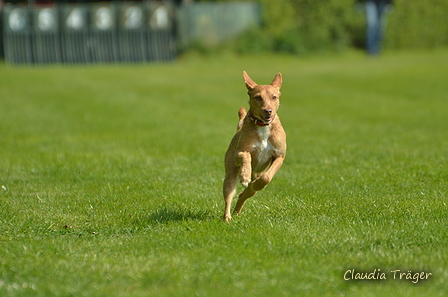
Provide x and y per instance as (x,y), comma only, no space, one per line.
(243,160)
(229,189)
(261,182)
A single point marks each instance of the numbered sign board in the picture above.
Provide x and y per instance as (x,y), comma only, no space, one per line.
(89,33)
(75,18)
(131,33)
(16,37)
(103,36)
(104,18)
(160,34)
(160,18)
(75,34)
(132,17)
(17,19)
(46,20)
(45,36)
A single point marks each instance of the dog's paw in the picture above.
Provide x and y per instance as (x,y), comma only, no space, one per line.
(245,179)
(260,183)
(245,183)
(226,218)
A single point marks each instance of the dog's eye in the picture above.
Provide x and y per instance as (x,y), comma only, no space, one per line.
(257,97)
(274,97)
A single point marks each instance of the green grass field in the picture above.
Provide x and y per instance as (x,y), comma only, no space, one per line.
(111,179)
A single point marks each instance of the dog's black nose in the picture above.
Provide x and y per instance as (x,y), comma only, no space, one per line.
(268,111)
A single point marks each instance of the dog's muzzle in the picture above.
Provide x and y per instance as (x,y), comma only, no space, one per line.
(259,122)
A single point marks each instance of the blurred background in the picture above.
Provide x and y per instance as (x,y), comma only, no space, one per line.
(88,31)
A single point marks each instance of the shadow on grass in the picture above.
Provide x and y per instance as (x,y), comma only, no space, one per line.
(165,215)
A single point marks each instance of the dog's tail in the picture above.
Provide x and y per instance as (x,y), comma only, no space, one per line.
(242,114)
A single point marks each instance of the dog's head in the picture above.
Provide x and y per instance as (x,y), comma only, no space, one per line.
(264,100)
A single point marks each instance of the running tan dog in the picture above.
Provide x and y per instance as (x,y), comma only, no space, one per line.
(258,148)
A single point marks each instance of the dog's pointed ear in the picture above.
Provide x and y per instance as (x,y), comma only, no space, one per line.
(250,84)
(277,82)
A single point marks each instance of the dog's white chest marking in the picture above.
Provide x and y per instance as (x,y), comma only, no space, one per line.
(263,149)
(263,135)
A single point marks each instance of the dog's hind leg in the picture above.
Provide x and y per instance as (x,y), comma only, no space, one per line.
(241,114)
(246,194)
(229,190)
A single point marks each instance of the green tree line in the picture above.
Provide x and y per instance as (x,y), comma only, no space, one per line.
(301,26)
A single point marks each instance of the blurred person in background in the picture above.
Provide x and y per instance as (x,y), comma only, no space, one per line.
(376,11)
